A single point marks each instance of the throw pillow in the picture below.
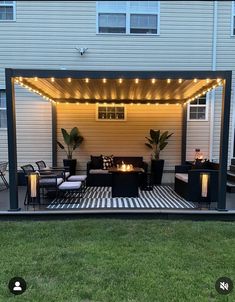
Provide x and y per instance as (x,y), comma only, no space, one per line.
(96,162)
(107,162)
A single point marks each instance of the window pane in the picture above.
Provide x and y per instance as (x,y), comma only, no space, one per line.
(3,119)
(202,100)
(201,109)
(6,13)
(193,109)
(112,23)
(193,116)
(201,116)
(143,24)
(2,99)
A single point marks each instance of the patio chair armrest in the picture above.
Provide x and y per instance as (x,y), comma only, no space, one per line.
(50,176)
(182,168)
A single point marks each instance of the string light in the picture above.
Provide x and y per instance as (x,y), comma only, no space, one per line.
(207,80)
(69,80)
(20,78)
(218,80)
(168,81)
(153,81)
(180,81)
(87,80)
(120,81)
(136,81)
(104,80)
(157,104)
(53,79)
(195,80)
(35,79)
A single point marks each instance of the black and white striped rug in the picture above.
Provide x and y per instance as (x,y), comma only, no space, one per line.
(161,197)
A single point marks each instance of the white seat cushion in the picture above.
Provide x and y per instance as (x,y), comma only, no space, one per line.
(50,181)
(77,178)
(70,185)
(67,174)
(182,176)
(98,171)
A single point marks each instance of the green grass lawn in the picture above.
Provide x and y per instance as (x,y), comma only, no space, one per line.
(117,260)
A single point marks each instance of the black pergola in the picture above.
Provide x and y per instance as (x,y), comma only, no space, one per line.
(193,88)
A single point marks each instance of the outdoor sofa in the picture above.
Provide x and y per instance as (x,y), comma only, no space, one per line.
(97,176)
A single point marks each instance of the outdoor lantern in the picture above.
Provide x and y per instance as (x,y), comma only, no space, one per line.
(198,155)
(204,185)
(33,187)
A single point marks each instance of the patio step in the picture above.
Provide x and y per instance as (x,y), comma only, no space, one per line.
(233,161)
(231,176)
(232,168)
(231,186)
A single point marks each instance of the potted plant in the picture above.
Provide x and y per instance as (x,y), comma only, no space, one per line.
(157,142)
(72,140)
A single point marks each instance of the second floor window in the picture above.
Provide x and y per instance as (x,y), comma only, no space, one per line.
(3,110)
(128,17)
(7,10)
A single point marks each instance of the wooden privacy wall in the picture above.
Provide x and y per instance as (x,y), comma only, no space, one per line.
(125,138)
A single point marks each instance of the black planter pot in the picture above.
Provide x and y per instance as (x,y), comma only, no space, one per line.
(157,170)
(71,163)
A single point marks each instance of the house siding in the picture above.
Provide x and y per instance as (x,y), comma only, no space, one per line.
(225,60)
(121,138)
(45,35)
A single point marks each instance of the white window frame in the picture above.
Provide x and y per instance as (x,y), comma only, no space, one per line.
(110,120)
(3,108)
(206,114)
(14,11)
(232,19)
(128,13)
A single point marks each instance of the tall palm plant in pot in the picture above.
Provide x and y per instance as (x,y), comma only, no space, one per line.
(72,141)
(157,142)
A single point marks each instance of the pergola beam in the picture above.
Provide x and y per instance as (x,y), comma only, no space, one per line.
(79,74)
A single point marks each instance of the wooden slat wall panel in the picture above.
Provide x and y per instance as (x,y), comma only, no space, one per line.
(121,138)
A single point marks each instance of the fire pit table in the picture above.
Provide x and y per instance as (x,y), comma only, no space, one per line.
(125,182)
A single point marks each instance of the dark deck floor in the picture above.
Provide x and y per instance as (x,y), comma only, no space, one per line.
(4,205)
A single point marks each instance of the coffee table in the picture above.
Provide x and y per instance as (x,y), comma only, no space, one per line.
(125,183)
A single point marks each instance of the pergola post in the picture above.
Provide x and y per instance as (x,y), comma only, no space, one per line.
(12,147)
(54,134)
(224,138)
(184,134)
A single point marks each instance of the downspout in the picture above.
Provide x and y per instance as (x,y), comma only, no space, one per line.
(212,95)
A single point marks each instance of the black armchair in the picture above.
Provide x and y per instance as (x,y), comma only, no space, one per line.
(188,184)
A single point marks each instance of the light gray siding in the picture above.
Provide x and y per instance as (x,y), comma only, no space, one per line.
(225,60)
(45,35)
